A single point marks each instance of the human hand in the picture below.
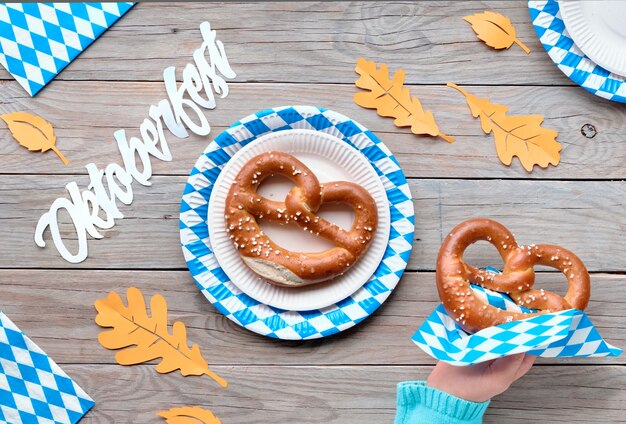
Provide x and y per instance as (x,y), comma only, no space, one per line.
(481,382)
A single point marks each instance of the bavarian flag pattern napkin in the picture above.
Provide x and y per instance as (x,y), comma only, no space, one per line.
(33,389)
(562,334)
(38,40)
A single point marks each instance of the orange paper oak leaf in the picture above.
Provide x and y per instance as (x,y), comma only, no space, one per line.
(144,338)
(32,132)
(189,415)
(391,99)
(521,136)
(495,30)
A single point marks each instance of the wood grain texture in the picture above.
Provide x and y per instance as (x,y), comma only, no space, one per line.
(341,395)
(318,42)
(85,127)
(304,53)
(65,299)
(583,216)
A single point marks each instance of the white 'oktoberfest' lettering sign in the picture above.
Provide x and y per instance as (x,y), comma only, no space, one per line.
(201,81)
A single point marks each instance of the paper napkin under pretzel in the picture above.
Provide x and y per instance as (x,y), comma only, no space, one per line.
(562,334)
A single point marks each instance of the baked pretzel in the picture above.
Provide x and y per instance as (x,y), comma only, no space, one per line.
(516,280)
(280,266)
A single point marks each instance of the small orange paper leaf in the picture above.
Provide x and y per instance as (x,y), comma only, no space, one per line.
(495,30)
(189,415)
(143,338)
(521,136)
(32,132)
(391,99)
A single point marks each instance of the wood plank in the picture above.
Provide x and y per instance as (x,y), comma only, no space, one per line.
(585,217)
(278,41)
(341,394)
(64,301)
(309,59)
(85,127)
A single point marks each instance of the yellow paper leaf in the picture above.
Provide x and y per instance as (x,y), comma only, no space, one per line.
(32,132)
(189,415)
(495,30)
(143,338)
(521,136)
(391,99)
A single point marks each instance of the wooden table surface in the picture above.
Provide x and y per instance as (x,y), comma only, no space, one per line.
(304,53)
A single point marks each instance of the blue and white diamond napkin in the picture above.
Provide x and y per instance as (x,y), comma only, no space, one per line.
(33,389)
(562,334)
(38,40)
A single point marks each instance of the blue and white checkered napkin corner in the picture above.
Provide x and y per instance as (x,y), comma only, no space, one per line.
(38,40)
(562,334)
(33,389)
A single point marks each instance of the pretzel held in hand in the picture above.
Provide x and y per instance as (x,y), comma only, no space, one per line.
(280,266)
(516,280)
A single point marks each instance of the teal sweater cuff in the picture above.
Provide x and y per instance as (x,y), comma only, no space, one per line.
(419,404)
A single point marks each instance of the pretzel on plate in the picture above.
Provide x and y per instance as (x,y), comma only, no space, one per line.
(517,279)
(281,266)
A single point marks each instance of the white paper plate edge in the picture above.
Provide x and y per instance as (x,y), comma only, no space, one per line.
(310,297)
(587,41)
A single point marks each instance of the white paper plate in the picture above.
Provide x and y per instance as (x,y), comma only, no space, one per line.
(599,29)
(331,160)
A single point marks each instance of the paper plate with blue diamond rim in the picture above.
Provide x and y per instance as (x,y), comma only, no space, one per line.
(546,18)
(241,308)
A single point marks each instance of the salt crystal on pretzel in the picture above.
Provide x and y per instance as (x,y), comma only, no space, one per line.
(281,266)
(454,276)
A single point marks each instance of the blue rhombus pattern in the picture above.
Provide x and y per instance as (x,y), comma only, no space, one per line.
(38,40)
(559,334)
(550,28)
(246,311)
(33,388)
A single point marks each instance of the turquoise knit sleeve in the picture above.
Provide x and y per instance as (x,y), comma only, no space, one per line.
(419,404)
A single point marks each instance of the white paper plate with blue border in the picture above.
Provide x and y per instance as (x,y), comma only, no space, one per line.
(330,159)
(550,28)
(241,308)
